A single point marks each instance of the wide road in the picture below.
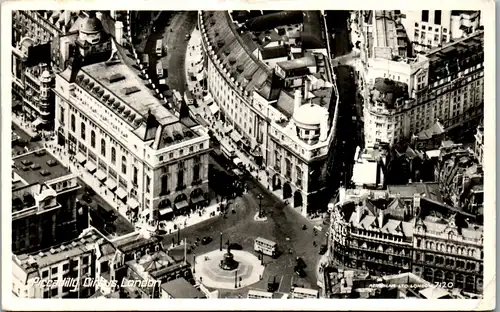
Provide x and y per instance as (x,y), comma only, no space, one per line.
(172,28)
(283,226)
(337,25)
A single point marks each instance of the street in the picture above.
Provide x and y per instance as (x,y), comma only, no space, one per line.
(283,226)
(172,29)
(337,27)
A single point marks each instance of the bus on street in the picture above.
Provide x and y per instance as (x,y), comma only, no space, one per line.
(159,47)
(266,246)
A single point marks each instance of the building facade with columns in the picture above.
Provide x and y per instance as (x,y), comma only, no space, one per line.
(283,115)
(134,146)
(445,85)
(407,229)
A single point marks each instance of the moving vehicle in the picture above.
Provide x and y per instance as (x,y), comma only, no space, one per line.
(187,37)
(159,69)
(163,81)
(271,284)
(301,263)
(206,240)
(323,249)
(266,246)
(159,47)
(300,271)
(227,150)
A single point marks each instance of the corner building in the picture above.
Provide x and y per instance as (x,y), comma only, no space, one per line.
(135,147)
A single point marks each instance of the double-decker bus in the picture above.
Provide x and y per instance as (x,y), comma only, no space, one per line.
(266,246)
(259,294)
(159,47)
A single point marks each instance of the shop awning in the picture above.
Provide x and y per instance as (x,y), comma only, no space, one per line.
(90,167)
(101,175)
(197,199)
(181,205)
(80,158)
(228,129)
(111,184)
(235,136)
(132,203)
(121,193)
(165,211)
(214,108)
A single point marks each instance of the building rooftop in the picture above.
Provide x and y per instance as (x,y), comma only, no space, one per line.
(133,241)
(273,20)
(124,85)
(180,288)
(234,50)
(274,52)
(312,35)
(427,190)
(39,166)
(301,63)
(365,173)
(61,252)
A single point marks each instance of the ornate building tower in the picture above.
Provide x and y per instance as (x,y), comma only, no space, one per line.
(46,99)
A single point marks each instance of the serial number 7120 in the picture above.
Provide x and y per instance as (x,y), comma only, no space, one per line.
(448,285)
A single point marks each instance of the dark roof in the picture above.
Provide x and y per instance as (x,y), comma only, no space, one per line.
(180,288)
(274,52)
(312,34)
(39,166)
(235,51)
(389,91)
(274,20)
(270,90)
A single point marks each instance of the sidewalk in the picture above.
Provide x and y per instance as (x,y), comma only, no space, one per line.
(194,51)
(18,121)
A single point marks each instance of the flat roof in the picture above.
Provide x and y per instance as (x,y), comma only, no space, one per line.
(181,288)
(61,252)
(39,166)
(365,173)
(140,98)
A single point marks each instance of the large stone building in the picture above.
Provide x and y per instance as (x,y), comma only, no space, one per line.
(429,29)
(404,96)
(461,178)
(92,266)
(44,210)
(282,112)
(407,229)
(148,157)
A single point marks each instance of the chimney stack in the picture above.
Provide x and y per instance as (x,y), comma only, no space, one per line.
(380,218)
(297,101)
(323,130)
(359,212)
(307,88)
(67,17)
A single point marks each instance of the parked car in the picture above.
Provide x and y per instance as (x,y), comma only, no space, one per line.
(87,198)
(300,271)
(323,249)
(235,246)
(206,240)
(301,263)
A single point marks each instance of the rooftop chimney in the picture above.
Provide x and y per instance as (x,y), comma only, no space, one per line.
(307,88)
(381,218)
(67,17)
(323,130)
(297,101)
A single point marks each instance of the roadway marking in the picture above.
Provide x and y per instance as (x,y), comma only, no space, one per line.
(280,283)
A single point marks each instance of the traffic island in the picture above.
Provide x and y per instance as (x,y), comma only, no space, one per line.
(211,273)
(259,219)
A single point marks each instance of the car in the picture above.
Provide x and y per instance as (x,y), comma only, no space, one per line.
(304,227)
(300,271)
(188,37)
(206,240)
(235,246)
(323,249)
(87,198)
(301,263)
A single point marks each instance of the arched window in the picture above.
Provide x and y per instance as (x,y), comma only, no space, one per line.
(124,165)
(73,123)
(82,131)
(92,139)
(113,155)
(103,147)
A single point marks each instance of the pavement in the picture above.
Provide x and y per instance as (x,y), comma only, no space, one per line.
(207,270)
(193,66)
